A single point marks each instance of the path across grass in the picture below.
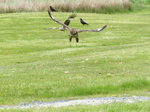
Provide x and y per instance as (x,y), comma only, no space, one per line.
(66,103)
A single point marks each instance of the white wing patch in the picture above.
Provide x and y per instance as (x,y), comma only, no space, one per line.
(99,29)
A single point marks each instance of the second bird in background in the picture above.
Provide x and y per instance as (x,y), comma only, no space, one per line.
(67,22)
(52,9)
(83,22)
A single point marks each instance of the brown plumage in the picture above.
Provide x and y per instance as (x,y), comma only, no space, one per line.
(73,31)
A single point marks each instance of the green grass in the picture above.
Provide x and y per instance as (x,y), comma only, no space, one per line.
(37,64)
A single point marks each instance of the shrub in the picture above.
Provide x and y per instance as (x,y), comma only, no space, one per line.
(65,5)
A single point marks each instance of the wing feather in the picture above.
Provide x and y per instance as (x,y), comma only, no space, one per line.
(52,28)
(53,18)
(95,30)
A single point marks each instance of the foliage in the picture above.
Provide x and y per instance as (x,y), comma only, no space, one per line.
(101,6)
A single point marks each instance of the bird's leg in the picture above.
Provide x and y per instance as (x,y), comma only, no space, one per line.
(77,39)
(70,39)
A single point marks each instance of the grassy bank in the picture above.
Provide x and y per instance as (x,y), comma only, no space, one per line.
(37,64)
(102,6)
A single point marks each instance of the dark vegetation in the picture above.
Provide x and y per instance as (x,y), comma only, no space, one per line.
(92,6)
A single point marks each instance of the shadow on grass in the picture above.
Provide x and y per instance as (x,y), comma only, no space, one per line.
(106,89)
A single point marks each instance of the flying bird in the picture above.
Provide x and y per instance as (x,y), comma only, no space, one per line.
(73,31)
(52,9)
(72,16)
(67,22)
(83,22)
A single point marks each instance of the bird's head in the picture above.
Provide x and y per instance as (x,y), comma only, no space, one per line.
(74,30)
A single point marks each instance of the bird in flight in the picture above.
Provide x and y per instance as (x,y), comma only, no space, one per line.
(73,31)
(67,22)
(83,22)
(52,9)
(72,16)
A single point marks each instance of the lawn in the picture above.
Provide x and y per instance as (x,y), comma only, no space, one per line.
(40,65)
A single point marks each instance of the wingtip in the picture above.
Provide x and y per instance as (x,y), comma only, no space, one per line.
(100,29)
(50,14)
(72,16)
(104,26)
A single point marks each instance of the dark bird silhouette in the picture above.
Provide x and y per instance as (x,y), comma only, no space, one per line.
(52,9)
(73,31)
(67,22)
(83,22)
(72,16)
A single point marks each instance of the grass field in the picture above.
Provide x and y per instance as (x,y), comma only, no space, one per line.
(40,65)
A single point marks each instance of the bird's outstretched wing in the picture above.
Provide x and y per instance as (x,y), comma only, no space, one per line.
(72,16)
(52,28)
(52,17)
(95,30)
